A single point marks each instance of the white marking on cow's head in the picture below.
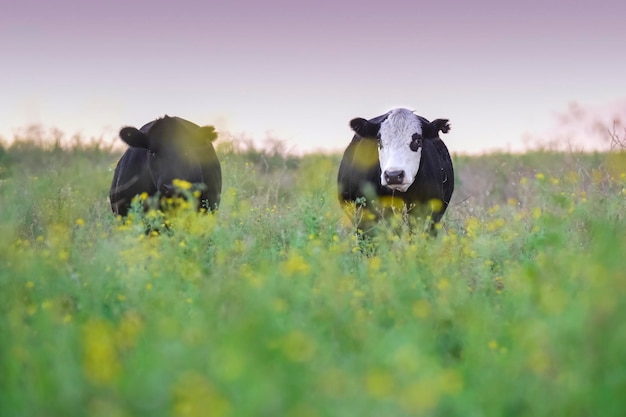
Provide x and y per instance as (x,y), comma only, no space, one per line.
(400,149)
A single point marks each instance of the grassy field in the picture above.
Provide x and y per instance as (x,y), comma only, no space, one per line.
(271,308)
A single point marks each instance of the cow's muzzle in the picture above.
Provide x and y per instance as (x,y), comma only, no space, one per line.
(395,177)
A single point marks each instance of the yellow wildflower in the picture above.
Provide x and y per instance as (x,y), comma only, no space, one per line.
(435,204)
(472,224)
(182,184)
(421,397)
(379,383)
(443,284)
(298,347)
(421,309)
(294,264)
(194,395)
(374,263)
(100,361)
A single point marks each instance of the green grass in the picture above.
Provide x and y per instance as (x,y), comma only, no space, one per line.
(272,308)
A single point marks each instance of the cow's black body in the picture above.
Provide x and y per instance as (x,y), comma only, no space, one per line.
(359,178)
(161,151)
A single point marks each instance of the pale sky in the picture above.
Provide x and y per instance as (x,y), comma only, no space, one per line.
(501,71)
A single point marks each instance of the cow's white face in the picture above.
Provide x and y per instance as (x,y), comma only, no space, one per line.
(399,149)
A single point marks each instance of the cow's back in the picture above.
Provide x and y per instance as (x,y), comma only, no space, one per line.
(447,170)
(131,178)
(434,180)
(212,179)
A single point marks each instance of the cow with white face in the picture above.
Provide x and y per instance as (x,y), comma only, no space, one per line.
(397,161)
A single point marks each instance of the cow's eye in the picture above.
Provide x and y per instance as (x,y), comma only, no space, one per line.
(151,153)
(380,144)
(416,142)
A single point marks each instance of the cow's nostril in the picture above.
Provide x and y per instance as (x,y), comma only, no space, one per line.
(394,177)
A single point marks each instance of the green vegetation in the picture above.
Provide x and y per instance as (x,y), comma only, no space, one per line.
(272,308)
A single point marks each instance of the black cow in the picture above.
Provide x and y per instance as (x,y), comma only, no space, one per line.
(396,161)
(163,150)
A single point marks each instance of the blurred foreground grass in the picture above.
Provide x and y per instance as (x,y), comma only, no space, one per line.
(269,308)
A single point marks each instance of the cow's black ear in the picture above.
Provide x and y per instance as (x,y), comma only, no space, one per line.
(442,125)
(431,130)
(364,128)
(208,133)
(134,137)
